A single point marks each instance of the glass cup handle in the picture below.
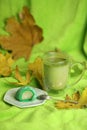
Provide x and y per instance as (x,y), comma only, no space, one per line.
(82,73)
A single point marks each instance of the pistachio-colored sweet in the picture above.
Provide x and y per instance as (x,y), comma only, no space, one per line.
(25,94)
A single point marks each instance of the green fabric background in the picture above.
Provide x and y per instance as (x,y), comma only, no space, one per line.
(64,26)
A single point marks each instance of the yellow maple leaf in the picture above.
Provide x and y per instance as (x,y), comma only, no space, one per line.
(6,62)
(83,98)
(20,80)
(75,96)
(81,101)
(36,69)
(64,105)
(69,102)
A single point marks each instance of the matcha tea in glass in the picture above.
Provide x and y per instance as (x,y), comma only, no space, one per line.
(56,69)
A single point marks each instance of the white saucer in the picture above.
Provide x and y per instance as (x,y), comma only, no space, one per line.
(10,98)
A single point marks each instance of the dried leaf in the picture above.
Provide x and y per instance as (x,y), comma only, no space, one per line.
(23,35)
(36,69)
(6,62)
(81,101)
(83,98)
(69,102)
(64,105)
(76,96)
(67,97)
(21,80)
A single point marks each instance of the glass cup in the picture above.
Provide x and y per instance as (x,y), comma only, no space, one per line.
(56,71)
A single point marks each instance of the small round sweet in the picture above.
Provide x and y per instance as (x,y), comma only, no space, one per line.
(25,94)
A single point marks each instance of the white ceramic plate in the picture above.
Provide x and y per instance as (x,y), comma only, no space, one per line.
(10,98)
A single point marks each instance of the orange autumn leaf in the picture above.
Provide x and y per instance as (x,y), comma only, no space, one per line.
(23,35)
(6,62)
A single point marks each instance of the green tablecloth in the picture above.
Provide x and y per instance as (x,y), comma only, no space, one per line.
(64,25)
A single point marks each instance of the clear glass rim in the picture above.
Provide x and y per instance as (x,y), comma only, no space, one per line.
(55,58)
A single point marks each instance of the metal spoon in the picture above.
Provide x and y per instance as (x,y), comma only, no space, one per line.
(47,97)
(43,97)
